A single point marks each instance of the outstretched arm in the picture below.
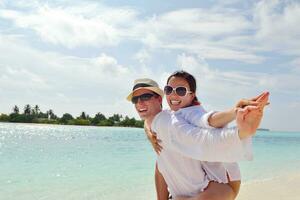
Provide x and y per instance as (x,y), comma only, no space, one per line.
(214,145)
(221,119)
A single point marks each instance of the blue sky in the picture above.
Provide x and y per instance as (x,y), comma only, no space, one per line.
(74,56)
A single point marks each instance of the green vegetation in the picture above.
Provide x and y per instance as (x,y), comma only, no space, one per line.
(35,115)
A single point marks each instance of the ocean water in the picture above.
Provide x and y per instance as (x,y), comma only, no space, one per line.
(46,162)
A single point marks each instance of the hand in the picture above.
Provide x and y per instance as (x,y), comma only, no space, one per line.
(154,141)
(249,117)
(252,102)
(263,100)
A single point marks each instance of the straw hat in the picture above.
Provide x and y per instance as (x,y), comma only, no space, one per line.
(145,83)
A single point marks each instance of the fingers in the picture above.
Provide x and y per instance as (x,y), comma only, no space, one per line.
(253,116)
(244,112)
(249,102)
(157,148)
(245,102)
(251,108)
(263,97)
(241,112)
(260,100)
(156,145)
(257,97)
(263,100)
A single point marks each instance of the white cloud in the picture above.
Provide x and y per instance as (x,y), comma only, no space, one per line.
(54,79)
(202,31)
(213,33)
(278,25)
(109,65)
(142,56)
(201,22)
(218,84)
(74,26)
(227,34)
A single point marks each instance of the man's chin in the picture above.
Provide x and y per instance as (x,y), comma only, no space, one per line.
(143,116)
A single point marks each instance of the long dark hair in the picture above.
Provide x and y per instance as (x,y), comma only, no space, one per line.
(191,81)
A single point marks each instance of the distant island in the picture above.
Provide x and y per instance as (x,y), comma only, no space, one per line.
(35,115)
(263,129)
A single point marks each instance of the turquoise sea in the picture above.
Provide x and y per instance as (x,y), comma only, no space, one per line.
(52,162)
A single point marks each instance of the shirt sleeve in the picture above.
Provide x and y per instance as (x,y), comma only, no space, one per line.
(202,120)
(213,145)
(196,115)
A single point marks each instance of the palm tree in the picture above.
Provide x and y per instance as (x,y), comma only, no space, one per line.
(116,117)
(66,117)
(27,109)
(16,109)
(83,116)
(36,109)
(98,117)
(50,114)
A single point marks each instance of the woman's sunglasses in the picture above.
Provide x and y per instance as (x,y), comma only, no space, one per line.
(143,97)
(180,91)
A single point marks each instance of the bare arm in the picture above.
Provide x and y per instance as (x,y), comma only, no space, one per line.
(216,145)
(221,119)
(161,186)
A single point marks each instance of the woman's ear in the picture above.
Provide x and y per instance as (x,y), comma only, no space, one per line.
(193,95)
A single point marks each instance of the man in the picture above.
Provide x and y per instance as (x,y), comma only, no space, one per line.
(147,97)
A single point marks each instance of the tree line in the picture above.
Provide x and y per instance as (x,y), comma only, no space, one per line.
(35,115)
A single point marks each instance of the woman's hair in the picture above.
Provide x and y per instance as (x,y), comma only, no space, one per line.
(191,81)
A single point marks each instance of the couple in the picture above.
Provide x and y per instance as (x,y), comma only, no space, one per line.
(196,161)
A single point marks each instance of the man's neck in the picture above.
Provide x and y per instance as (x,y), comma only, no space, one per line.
(148,122)
(149,119)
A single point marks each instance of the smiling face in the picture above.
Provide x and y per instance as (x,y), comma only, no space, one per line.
(176,102)
(148,108)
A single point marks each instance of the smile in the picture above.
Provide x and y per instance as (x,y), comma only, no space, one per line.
(142,110)
(175,102)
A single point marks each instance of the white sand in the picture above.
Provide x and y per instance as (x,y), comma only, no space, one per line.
(283,188)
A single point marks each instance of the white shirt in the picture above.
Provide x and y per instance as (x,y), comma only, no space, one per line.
(216,171)
(186,145)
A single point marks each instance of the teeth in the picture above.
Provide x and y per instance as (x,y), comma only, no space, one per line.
(141,110)
(174,102)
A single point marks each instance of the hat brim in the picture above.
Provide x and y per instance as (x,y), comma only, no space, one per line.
(153,89)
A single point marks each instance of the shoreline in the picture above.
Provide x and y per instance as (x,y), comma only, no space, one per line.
(283,187)
(33,123)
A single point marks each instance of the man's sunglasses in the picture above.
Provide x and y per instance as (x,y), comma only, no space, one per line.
(180,91)
(143,97)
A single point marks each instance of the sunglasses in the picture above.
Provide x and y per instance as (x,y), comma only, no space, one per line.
(143,97)
(180,91)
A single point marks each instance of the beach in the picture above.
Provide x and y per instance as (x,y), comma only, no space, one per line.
(280,188)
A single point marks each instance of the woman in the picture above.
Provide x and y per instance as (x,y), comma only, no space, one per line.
(224,178)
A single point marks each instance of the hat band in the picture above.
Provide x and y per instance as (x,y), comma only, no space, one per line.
(141,85)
